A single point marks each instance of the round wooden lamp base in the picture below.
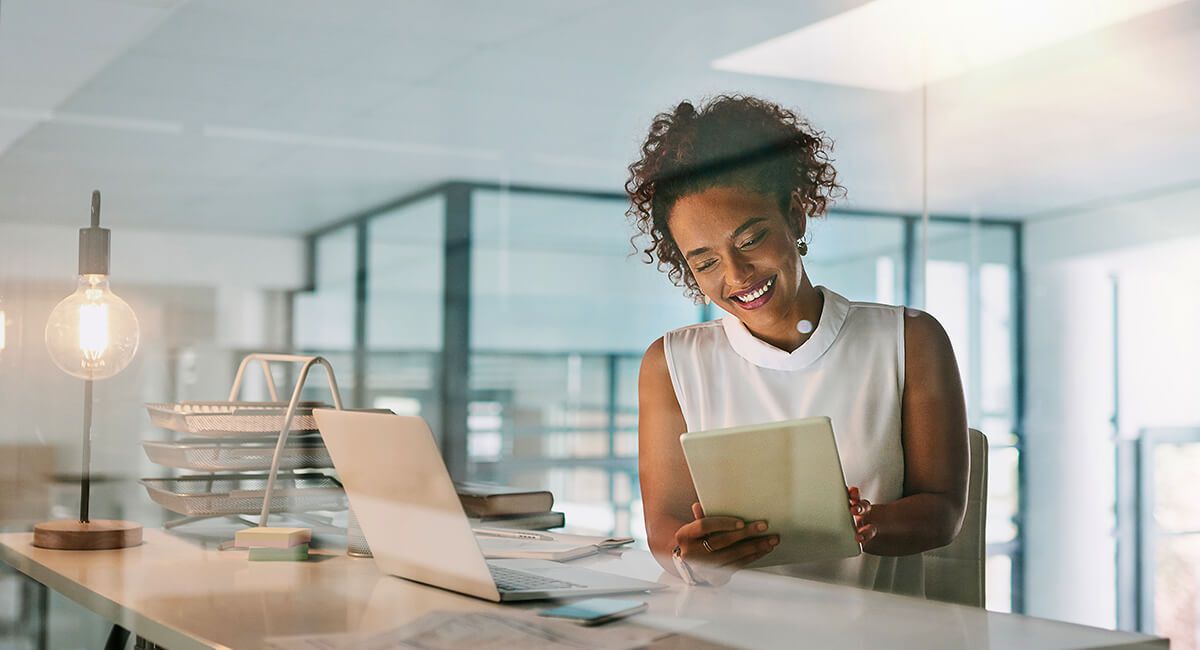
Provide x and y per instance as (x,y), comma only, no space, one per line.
(95,535)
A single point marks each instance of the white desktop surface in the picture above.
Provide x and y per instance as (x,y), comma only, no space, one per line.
(178,591)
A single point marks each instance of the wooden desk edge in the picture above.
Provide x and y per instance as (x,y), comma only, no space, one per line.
(171,638)
(104,607)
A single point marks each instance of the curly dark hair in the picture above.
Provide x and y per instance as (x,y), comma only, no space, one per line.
(730,141)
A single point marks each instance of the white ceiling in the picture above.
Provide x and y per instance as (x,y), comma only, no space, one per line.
(277,116)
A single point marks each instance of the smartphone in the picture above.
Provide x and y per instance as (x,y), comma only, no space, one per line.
(595,611)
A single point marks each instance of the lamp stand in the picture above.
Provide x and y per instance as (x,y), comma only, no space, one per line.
(85,534)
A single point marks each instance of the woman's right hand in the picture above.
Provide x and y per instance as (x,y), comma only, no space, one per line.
(732,544)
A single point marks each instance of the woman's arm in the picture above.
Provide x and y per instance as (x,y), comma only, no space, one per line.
(667,492)
(934,432)
(713,546)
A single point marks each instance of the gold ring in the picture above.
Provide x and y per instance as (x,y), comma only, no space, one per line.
(704,542)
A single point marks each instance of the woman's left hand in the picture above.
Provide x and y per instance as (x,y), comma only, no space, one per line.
(860,508)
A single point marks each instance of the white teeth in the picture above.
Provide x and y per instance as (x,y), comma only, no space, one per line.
(751,297)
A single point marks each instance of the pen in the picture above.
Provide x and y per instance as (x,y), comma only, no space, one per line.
(513,534)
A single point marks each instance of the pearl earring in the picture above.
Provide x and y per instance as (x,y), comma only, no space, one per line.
(707,300)
(802,246)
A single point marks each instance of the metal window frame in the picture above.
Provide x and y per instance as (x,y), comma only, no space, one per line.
(452,381)
(1137,530)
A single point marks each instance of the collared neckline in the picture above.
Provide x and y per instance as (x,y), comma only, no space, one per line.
(765,355)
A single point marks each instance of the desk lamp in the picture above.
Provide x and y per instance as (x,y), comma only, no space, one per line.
(92,334)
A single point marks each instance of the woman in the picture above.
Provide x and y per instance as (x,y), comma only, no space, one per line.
(724,195)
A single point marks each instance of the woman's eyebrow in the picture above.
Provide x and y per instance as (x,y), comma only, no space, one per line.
(740,229)
(749,222)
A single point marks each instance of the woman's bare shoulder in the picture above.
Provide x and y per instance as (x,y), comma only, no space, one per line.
(923,333)
(654,361)
(656,393)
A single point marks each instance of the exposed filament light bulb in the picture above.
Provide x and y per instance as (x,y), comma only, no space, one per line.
(92,333)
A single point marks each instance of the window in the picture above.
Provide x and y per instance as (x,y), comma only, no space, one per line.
(970,289)
(1169,550)
(560,311)
(560,316)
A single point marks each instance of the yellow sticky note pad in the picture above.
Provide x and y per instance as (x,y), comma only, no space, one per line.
(272,537)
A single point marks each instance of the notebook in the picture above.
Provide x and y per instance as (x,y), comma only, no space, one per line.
(532,521)
(484,500)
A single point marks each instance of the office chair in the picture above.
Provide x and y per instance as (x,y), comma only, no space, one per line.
(955,573)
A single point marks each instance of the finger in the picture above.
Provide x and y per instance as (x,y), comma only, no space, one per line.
(854,493)
(748,560)
(717,557)
(866,533)
(718,541)
(710,525)
(860,507)
(691,533)
(748,551)
(697,511)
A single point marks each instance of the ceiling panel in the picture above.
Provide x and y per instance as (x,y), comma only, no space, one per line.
(278,116)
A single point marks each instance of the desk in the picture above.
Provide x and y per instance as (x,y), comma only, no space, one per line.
(178,591)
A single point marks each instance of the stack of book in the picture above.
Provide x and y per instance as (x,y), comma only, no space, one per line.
(275,544)
(498,506)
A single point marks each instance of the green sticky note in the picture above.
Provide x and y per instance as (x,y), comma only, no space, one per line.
(297,553)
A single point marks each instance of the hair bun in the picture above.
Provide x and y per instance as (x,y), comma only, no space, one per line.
(685,110)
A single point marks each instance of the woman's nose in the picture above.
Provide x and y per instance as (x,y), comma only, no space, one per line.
(739,272)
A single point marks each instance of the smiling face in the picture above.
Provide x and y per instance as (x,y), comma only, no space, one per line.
(742,251)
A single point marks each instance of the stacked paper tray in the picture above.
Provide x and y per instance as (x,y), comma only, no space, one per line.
(247,455)
(219,495)
(232,419)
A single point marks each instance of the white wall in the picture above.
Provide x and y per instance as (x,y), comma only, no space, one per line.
(149,257)
(1151,249)
(1070,562)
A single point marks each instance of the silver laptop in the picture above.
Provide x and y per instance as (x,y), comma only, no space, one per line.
(405,502)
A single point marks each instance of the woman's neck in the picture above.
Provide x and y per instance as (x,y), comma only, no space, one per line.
(786,333)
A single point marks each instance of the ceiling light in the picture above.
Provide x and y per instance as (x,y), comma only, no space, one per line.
(900,45)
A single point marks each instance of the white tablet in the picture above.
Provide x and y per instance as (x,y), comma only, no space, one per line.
(787,473)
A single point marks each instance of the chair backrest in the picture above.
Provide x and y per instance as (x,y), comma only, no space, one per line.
(955,573)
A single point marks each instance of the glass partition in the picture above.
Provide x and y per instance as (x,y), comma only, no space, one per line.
(971,287)
(862,258)
(404,307)
(561,309)
(431,196)
(323,320)
(557,273)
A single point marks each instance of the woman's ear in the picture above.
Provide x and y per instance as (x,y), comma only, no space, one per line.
(797,218)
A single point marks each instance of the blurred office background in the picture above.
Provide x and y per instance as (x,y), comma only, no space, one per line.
(429,194)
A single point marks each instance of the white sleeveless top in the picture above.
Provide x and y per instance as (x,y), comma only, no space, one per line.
(851,369)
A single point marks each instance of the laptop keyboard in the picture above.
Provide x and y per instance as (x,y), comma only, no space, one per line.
(513,580)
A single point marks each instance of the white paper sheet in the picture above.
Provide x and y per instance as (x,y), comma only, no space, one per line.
(532,549)
(482,631)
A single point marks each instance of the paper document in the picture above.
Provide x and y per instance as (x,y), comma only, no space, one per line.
(565,538)
(481,631)
(602,542)
(531,549)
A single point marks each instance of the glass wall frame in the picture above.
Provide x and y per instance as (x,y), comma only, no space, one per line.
(479,423)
